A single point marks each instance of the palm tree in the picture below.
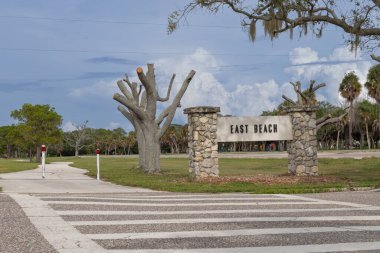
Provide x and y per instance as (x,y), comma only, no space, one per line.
(366,113)
(350,89)
(373,87)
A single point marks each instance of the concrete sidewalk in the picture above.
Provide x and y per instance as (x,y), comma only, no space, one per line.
(18,233)
(59,178)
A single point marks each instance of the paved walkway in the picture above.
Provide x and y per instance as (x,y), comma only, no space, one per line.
(70,213)
(59,178)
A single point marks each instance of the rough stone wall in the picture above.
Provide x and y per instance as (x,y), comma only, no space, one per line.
(203,144)
(302,150)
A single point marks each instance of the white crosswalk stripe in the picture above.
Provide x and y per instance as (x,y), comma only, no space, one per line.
(188,223)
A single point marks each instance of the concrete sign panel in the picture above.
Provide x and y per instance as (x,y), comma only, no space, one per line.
(264,128)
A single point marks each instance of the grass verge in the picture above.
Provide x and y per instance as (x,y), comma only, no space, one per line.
(237,175)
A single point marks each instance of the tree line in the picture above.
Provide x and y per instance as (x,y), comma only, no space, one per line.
(359,119)
(41,124)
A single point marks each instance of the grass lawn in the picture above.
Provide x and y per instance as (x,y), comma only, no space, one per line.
(334,173)
(14,165)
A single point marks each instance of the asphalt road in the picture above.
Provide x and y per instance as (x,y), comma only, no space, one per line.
(69,212)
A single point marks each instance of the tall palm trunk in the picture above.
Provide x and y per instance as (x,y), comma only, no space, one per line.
(337,141)
(350,126)
(368,139)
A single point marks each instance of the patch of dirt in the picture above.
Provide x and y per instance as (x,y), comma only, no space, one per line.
(272,179)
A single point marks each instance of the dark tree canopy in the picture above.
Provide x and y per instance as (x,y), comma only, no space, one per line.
(38,124)
(373,83)
(359,19)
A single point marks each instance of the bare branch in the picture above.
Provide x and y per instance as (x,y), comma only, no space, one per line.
(124,90)
(176,102)
(150,88)
(168,92)
(300,95)
(133,87)
(323,119)
(289,100)
(130,105)
(140,89)
(374,57)
(312,82)
(331,121)
(143,101)
(163,115)
(319,86)
(126,113)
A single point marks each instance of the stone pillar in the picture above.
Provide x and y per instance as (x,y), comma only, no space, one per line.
(203,145)
(302,150)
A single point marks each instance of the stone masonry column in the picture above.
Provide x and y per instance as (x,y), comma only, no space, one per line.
(203,145)
(302,150)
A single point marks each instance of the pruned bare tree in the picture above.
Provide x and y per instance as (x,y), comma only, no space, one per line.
(139,106)
(77,138)
(308,98)
(359,19)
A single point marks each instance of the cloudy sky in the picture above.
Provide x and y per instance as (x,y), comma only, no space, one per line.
(69,54)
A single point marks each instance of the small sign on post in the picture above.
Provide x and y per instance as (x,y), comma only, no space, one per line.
(98,164)
(43,153)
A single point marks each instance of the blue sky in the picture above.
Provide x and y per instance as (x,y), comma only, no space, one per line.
(70,53)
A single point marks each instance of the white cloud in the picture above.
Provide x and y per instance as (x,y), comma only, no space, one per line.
(244,98)
(68,127)
(206,90)
(302,55)
(344,54)
(101,88)
(113,125)
(331,72)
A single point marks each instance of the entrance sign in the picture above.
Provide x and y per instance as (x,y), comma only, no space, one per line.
(43,151)
(263,128)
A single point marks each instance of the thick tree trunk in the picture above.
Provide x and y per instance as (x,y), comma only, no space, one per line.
(77,143)
(141,146)
(361,139)
(337,141)
(152,149)
(9,151)
(38,154)
(30,155)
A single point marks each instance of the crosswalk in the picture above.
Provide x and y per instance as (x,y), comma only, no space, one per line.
(156,222)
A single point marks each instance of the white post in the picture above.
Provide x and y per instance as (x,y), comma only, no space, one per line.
(98,164)
(43,149)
